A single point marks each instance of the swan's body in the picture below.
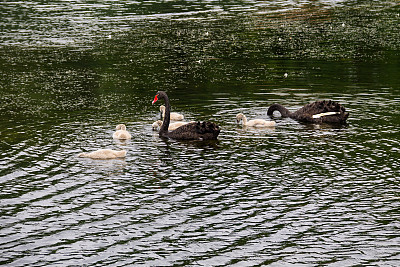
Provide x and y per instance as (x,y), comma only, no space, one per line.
(171,127)
(121,132)
(104,154)
(191,131)
(173,115)
(254,123)
(318,112)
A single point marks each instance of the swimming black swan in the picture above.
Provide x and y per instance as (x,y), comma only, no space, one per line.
(318,112)
(192,131)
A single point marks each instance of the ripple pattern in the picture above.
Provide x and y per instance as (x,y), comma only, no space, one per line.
(323,196)
(312,195)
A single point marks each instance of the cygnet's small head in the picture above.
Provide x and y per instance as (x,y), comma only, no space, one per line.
(239,117)
(156,124)
(121,127)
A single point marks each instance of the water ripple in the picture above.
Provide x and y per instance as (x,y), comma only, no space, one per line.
(293,195)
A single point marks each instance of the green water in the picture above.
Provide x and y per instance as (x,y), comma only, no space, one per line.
(294,194)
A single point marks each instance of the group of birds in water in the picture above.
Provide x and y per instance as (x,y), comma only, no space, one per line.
(325,111)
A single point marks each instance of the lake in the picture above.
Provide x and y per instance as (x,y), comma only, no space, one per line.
(295,194)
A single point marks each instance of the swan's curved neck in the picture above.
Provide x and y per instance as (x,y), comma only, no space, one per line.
(166,120)
(284,111)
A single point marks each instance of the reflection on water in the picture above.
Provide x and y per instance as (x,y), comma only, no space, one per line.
(293,194)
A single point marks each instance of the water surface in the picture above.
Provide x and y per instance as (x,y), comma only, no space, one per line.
(294,194)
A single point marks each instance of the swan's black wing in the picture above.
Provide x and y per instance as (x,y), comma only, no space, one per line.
(196,131)
(322,111)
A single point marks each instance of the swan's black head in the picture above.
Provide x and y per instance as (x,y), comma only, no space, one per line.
(160,94)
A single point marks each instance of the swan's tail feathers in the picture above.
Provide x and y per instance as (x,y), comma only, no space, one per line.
(120,154)
(329,106)
(330,111)
(207,126)
(209,129)
(278,107)
(196,131)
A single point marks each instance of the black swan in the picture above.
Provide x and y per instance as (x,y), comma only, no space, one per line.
(192,131)
(318,112)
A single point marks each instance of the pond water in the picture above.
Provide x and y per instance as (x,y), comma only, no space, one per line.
(295,194)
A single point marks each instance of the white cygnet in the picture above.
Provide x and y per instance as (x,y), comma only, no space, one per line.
(254,123)
(121,132)
(156,125)
(104,154)
(173,115)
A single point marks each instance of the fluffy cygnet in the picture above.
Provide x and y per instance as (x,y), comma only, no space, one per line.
(104,154)
(254,123)
(121,132)
(173,115)
(171,127)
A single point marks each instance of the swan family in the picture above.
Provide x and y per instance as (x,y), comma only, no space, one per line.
(205,130)
(326,111)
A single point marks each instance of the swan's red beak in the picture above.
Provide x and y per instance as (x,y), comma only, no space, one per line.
(155,99)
